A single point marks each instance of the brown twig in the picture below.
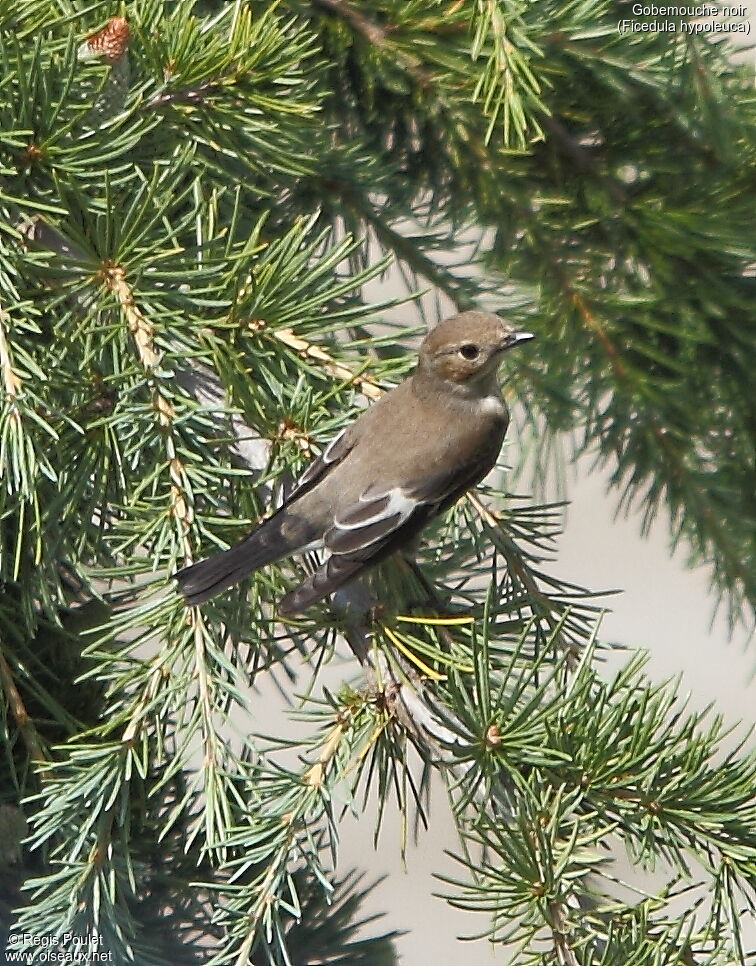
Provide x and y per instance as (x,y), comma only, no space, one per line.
(355,18)
(406,696)
(564,953)
(308,350)
(20,714)
(376,35)
(11,380)
(143,332)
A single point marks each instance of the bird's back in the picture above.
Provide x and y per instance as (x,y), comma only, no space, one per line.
(442,434)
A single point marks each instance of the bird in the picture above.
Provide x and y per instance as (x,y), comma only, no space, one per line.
(407,458)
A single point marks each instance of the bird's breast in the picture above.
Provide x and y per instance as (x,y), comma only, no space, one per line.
(492,405)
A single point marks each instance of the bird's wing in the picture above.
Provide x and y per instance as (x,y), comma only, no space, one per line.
(265,543)
(379,522)
(331,456)
(363,529)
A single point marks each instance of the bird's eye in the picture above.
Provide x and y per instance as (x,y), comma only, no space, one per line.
(469,351)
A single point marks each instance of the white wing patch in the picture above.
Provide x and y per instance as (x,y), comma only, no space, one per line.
(374,518)
(328,451)
(318,467)
(391,503)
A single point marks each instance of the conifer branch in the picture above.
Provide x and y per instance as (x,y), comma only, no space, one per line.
(21,716)
(376,35)
(11,380)
(676,468)
(369,30)
(559,929)
(308,350)
(143,332)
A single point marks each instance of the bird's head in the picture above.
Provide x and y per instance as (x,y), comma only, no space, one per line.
(466,349)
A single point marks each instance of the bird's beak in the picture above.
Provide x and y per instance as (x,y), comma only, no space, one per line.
(516,338)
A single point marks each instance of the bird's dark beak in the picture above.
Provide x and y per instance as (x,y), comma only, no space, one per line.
(515,338)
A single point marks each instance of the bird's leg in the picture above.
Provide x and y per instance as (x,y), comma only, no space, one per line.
(441,606)
(432,597)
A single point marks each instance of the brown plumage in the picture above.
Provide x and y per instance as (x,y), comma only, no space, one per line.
(404,460)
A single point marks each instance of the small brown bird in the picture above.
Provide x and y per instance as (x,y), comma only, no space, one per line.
(401,462)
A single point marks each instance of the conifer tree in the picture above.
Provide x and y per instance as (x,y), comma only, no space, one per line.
(193,198)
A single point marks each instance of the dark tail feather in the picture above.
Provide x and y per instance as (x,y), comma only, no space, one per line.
(207,578)
(334,573)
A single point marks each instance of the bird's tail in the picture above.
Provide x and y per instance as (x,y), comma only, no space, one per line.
(333,574)
(205,579)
